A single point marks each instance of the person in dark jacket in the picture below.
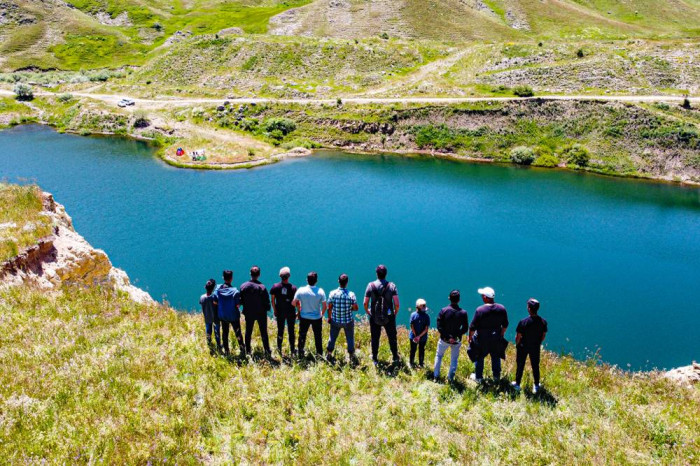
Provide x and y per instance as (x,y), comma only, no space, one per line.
(256,303)
(452,324)
(228,299)
(281,295)
(211,315)
(486,332)
(529,336)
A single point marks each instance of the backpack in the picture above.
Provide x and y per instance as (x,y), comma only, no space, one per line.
(381,312)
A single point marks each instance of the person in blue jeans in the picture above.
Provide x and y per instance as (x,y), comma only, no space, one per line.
(486,331)
(420,324)
(310,300)
(211,316)
(452,323)
(228,300)
(342,305)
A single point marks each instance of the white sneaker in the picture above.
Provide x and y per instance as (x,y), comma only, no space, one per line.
(515,386)
(535,389)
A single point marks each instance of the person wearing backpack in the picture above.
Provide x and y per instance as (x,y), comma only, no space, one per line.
(381,305)
(228,299)
(256,303)
(211,316)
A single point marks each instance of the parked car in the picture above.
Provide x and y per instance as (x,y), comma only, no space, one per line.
(126,103)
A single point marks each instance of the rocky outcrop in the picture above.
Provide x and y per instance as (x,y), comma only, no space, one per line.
(687,375)
(66,258)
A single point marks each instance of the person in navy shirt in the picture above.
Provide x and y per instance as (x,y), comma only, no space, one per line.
(529,336)
(420,323)
(228,300)
(211,316)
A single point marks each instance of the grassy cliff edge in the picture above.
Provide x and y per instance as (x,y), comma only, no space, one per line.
(89,375)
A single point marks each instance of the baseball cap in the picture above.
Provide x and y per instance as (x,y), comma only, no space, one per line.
(285,271)
(421,302)
(487,291)
(533,304)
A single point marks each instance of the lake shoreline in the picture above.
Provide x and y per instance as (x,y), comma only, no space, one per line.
(301,152)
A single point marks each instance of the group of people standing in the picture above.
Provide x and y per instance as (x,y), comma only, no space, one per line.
(223,305)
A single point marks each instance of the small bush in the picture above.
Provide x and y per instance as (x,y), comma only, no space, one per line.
(24,92)
(65,98)
(686,103)
(141,120)
(522,155)
(384,36)
(282,126)
(662,106)
(523,91)
(579,53)
(249,124)
(576,154)
(546,160)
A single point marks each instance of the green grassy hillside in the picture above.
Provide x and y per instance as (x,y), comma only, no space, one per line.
(457,20)
(110,33)
(86,376)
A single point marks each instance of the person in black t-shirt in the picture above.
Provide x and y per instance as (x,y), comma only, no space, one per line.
(529,336)
(256,304)
(282,294)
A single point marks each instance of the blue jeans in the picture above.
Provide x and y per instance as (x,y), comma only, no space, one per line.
(495,366)
(349,336)
(216,327)
(454,357)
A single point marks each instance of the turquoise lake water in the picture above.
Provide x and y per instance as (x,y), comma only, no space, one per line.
(615,263)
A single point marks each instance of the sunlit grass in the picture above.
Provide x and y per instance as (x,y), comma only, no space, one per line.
(21,224)
(86,376)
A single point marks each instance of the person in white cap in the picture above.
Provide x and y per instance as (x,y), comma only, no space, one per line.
(486,332)
(282,294)
(420,324)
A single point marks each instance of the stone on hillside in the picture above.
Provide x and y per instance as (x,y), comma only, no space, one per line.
(687,375)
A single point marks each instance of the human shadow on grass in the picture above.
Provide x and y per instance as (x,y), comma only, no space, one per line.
(543,396)
(256,357)
(497,387)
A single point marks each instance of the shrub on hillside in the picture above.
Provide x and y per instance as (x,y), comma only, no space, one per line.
(522,155)
(523,91)
(281,126)
(546,160)
(65,98)
(141,120)
(440,137)
(24,92)
(576,154)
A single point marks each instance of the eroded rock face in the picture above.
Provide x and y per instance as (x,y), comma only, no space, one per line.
(66,258)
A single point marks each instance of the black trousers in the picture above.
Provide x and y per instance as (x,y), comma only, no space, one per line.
(521,355)
(262,325)
(290,321)
(317,326)
(376,332)
(236,324)
(420,346)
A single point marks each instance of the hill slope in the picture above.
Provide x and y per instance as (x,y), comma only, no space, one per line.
(459,20)
(86,375)
(109,33)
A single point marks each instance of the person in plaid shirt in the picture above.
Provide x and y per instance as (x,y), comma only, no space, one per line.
(342,305)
